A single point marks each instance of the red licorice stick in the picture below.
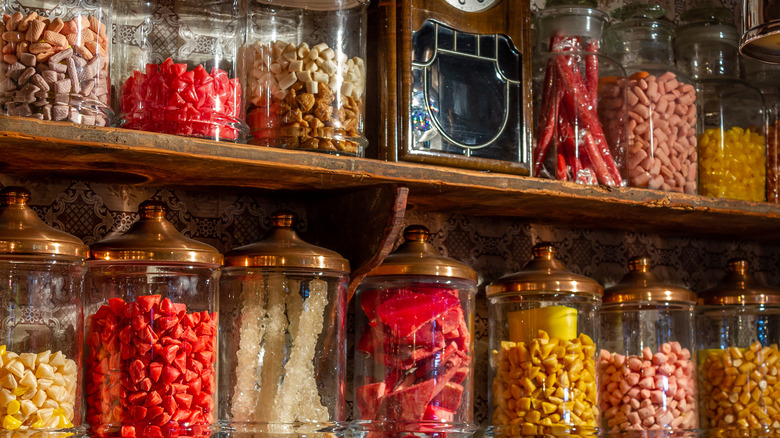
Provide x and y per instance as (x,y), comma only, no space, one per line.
(568,141)
(560,167)
(546,125)
(592,71)
(594,157)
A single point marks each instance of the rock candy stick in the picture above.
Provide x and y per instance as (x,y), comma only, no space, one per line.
(294,304)
(250,338)
(273,354)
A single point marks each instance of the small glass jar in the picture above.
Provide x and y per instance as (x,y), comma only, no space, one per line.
(767,78)
(305,75)
(661,101)
(579,100)
(282,356)
(177,68)
(56,60)
(414,358)
(732,149)
(42,278)
(647,372)
(543,327)
(737,333)
(151,331)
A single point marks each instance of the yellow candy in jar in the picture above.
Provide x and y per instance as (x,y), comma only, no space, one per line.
(732,164)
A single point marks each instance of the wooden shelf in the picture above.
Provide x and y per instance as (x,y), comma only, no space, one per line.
(33,148)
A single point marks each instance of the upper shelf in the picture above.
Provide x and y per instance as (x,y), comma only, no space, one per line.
(33,148)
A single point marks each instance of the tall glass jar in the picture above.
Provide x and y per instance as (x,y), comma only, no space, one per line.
(414,360)
(151,332)
(306,74)
(41,288)
(579,99)
(767,78)
(661,101)
(647,372)
(55,62)
(177,68)
(543,327)
(283,348)
(732,149)
(738,330)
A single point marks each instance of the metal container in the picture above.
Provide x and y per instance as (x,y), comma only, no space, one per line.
(761,24)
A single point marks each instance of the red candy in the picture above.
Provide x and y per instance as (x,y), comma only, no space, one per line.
(171,100)
(150,369)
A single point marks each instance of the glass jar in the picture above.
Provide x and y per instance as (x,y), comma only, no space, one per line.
(414,358)
(765,77)
(732,162)
(177,67)
(42,277)
(737,335)
(579,100)
(647,373)
(306,74)
(282,356)
(543,327)
(56,60)
(661,101)
(151,331)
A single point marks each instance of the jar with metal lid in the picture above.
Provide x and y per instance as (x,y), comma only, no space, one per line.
(732,148)
(305,74)
(767,78)
(282,357)
(415,351)
(41,288)
(151,331)
(543,328)
(738,329)
(647,374)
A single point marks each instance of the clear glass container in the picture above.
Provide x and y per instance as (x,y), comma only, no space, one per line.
(647,362)
(305,74)
(661,101)
(176,68)
(579,100)
(415,348)
(283,346)
(42,277)
(151,332)
(55,62)
(732,148)
(767,78)
(543,330)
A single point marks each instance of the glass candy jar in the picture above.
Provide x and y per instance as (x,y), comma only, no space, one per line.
(151,331)
(414,354)
(42,272)
(306,75)
(767,78)
(55,62)
(543,323)
(282,357)
(647,373)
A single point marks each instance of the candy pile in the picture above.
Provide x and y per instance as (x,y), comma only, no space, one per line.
(55,69)
(169,99)
(732,164)
(420,339)
(648,392)
(150,368)
(311,95)
(38,390)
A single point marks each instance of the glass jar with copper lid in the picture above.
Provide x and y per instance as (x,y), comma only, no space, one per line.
(543,328)
(282,362)
(414,354)
(151,331)
(647,378)
(738,328)
(41,288)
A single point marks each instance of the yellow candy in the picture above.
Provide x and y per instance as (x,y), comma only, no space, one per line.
(732,164)
(2,349)
(554,321)
(11,423)
(64,422)
(13,407)
(20,390)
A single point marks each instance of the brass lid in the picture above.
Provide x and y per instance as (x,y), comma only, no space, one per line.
(739,286)
(640,284)
(545,273)
(153,239)
(22,232)
(417,256)
(283,248)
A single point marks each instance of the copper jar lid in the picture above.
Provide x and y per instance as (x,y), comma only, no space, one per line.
(283,248)
(417,256)
(545,273)
(22,232)
(640,284)
(738,287)
(154,239)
